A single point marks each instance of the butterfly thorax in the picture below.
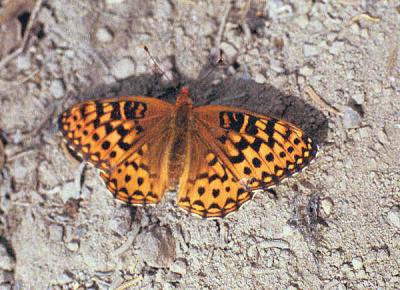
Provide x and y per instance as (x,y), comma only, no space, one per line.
(179,139)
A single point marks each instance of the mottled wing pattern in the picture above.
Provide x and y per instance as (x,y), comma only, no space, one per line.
(208,187)
(143,177)
(114,134)
(247,152)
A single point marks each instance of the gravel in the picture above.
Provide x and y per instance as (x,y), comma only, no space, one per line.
(123,68)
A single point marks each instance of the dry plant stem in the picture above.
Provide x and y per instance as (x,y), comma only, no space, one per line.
(2,158)
(320,101)
(129,283)
(392,59)
(365,16)
(22,46)
(227,8)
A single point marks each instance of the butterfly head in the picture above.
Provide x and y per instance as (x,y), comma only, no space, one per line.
(184,97)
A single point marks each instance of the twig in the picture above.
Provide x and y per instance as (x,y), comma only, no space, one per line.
(27,78)
(22,46)
(227,10)
(392,59)
(21,154)
(129,283)
(365,16)
(320,101)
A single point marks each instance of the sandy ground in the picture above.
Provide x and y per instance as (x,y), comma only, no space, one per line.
(335,226)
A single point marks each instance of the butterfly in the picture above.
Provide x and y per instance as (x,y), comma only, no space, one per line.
(216,156)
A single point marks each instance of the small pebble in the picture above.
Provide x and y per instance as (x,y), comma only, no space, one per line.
(280,244)
(306,71)
(55,233)
(358,98)
(114,2)
(287,230)
(327,205)
(23,62)
(104,35)
(69,190)
(229,51)
(179,267)
(302,21)
(382,137)
(336,47)
(276,66)
(310,50)
(394,216)
(345,268)
(357,263)
(57,88)
(351,119)
(259,78)
(6,261)
(365,132)
(393,132)
(72,246)
(123,68)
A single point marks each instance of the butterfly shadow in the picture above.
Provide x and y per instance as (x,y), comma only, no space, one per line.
(232,91)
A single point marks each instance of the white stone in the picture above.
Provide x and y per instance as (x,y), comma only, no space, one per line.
(358,98)
(336,47)
(68,191)
(306,71)
(123,69)
(259,78)
(55,233)
(382,137)
(394,216)
(72,246)
(351,119)
(57,89)
(310,50)
(104,35)
(230,52)
(287,230)
(114,2)
(179,266)
(276,66)
(357,263)
(365,132)
(302,21)
(23,62)
(327,205)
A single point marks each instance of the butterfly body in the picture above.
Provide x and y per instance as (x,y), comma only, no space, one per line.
(216,156)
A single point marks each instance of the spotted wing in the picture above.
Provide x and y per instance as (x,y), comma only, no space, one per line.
(114,135)
(242,151)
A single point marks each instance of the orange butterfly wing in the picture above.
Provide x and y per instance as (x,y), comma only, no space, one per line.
(118,136)
(235,152)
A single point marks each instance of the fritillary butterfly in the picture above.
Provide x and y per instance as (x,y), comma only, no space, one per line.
(216,155)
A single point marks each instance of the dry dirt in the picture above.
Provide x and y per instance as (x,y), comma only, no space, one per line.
(335,226)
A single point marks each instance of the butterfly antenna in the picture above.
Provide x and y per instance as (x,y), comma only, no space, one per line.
(158,67)
(219,62)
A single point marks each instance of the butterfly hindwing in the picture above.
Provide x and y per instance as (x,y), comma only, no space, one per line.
(142,178)
(208,188)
